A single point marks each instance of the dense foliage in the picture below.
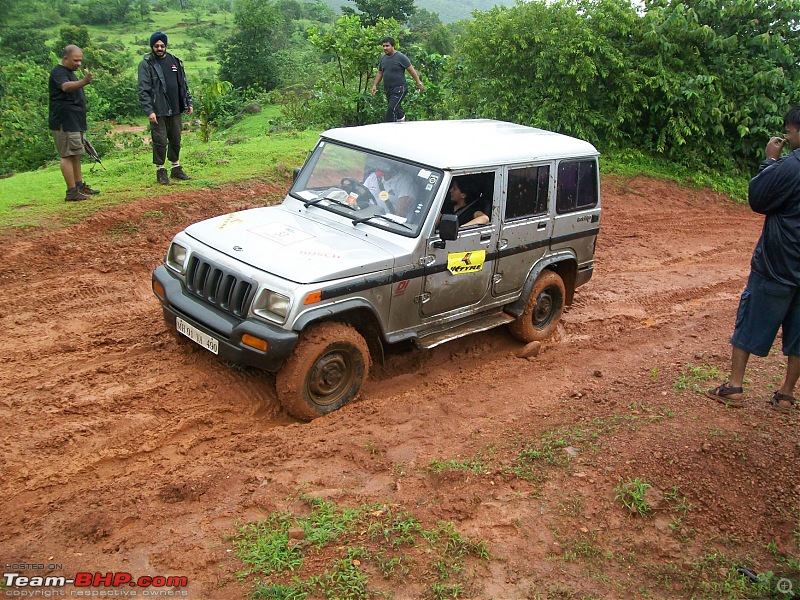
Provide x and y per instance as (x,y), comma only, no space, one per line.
(703,83)
(249,57)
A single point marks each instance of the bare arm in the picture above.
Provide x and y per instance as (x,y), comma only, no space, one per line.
(74,86)
(478,218)
(414,74)
(378,77)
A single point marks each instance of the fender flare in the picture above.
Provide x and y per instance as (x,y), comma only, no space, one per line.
(516,308)
(329,312)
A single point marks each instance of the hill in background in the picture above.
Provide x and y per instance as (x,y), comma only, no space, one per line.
(448,11)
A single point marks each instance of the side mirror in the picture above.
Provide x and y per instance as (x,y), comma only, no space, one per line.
(448,228)
(295,173)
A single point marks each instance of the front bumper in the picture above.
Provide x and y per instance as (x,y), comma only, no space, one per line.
(223,327)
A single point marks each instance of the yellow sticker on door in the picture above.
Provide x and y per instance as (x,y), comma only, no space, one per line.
(459,263)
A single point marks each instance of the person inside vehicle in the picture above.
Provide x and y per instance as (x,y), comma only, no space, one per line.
(466,202)
(393,188)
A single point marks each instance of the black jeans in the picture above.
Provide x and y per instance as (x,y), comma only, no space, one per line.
(394,96)
(167,130)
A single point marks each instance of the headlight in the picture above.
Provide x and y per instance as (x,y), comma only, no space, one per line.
(176,258)
(272,305)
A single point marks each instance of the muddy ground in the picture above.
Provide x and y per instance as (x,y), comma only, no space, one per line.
(128,450)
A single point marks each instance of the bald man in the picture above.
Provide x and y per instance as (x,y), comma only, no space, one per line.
(67,120)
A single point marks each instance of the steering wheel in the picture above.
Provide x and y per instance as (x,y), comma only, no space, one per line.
(365,197)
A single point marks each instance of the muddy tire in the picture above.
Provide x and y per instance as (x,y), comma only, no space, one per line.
(543,310)
(324,372)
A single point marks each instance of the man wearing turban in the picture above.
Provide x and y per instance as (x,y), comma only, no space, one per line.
(164,96)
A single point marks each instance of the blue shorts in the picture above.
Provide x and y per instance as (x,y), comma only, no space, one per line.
(766,306)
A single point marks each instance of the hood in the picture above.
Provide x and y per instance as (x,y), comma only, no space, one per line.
(290,245)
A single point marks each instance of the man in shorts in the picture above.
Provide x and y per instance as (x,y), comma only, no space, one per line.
(67,120)
(771,300)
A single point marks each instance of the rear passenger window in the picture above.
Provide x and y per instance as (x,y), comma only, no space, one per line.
(527,192)
(577,186)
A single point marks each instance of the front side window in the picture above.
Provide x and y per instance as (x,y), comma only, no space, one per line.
(367,188)
(527,193)
(577,186)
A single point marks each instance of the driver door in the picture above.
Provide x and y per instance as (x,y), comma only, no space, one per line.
(457,275)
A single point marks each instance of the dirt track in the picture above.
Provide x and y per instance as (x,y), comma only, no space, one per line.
(129,450)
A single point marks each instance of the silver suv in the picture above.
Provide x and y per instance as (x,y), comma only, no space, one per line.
(424,231)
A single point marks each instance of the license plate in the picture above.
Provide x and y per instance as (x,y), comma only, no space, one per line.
(198,337)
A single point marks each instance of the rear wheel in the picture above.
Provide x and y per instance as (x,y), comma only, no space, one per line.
(543,310)
(324,372)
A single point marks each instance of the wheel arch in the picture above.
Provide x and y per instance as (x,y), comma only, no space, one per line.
(564,263)
(356,312)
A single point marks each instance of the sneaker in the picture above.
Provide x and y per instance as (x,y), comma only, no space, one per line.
(162,176)
(179,173)
(403,120)
(74,195)
(88,191)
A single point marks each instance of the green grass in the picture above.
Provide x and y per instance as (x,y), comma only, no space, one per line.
(36,198)
(630,163)
(695,377)
(631,494)
(346,552)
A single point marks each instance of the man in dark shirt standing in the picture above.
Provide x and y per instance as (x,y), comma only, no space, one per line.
(164,96)
(67,119)
(392,70)
(771,300)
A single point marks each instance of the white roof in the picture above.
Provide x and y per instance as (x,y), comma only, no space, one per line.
(462,144)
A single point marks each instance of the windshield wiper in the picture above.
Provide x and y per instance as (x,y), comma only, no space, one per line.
(334,200)
(385,218)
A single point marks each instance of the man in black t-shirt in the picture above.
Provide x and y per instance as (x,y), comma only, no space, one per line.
(67,119)
(392,70)
(164,95)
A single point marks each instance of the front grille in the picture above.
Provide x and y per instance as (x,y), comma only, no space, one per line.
(219,287)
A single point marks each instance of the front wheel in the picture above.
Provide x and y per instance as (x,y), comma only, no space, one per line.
(324,372)
(543,311)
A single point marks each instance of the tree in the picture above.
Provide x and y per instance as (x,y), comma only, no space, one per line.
(719,75)
(25,142)
(342,97)
(72,34)
(103,12)
(545,65)
(372,11)
(318,11)
(249,57)
(427,30)
(207,97)
(703,83)
(26,44)
(440,40)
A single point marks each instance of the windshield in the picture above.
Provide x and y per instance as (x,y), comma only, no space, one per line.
(368,188)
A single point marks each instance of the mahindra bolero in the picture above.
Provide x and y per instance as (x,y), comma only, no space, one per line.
(423,231)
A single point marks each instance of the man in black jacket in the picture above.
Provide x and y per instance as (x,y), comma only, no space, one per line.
(164,96)
(67,119)
(771,300)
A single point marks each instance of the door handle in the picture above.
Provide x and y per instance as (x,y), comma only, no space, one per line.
(486,236)
(542,225)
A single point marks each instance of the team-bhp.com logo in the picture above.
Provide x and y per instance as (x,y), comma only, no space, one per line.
(94,585)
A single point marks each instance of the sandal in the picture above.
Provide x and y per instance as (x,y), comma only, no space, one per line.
(727,395)
(781,402)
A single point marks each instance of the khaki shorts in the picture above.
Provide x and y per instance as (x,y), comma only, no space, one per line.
(68,143)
